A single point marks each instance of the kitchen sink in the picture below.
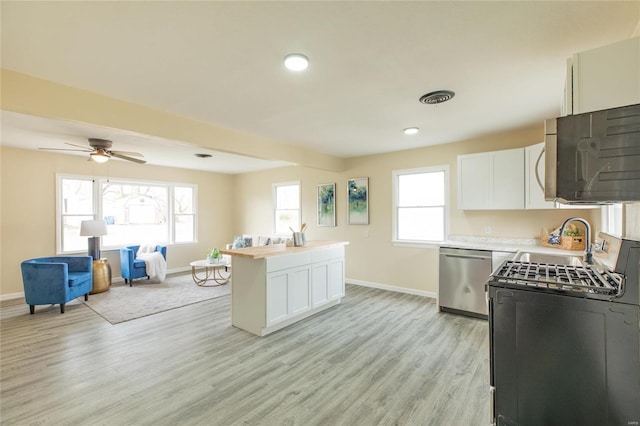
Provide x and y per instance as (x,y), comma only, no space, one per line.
(557,259)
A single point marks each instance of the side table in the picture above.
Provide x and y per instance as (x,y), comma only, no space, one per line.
(212,272)
(101,276)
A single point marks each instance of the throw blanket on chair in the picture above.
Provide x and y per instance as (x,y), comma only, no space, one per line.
(154,261)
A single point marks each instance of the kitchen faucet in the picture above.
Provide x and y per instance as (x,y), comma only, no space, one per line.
(588,255)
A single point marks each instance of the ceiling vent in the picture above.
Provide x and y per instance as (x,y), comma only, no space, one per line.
(437,97)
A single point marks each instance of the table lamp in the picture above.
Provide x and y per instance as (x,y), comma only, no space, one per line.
(94,229)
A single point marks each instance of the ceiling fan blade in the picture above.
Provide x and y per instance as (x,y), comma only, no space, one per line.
(85,148)
(127,153)
(124,157)
(63,149)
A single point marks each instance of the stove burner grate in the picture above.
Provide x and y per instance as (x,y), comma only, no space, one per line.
(575,280)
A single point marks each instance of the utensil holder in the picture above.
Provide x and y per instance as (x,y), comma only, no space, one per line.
(299,239)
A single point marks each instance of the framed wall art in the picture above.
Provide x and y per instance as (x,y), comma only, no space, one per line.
(358,201)
(327,204)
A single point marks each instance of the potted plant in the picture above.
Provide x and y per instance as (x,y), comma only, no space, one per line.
(213,255)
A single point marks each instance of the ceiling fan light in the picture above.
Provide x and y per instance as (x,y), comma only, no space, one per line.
(99,157)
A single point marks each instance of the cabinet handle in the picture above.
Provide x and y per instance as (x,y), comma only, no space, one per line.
(536,169)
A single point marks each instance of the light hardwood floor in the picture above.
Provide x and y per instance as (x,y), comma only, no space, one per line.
(379,358)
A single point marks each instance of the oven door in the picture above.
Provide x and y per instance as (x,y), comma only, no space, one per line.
(563,360)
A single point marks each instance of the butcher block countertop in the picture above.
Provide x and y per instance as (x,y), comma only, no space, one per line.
(261,252)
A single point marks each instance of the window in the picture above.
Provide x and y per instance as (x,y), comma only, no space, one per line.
(135,211)
(420,204)
(611,216)
(184,216)
(286,207)
(76,203)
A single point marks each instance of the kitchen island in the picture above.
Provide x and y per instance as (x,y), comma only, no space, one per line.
(275,286)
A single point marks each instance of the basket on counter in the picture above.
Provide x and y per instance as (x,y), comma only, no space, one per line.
(566,242)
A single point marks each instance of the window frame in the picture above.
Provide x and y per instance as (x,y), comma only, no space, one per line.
(395,175)
(274,189)
(98,181)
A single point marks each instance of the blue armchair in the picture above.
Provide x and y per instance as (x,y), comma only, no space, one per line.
(57,279)
(132,268)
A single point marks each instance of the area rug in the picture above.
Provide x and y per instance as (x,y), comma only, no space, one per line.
(147,297)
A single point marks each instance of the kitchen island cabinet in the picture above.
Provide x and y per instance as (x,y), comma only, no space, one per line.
(275,286)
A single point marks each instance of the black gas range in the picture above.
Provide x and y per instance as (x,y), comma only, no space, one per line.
(565,339)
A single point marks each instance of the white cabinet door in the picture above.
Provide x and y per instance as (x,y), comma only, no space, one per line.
(534,178)
(336,279)
(508,179)
(320,284)
(299,290)
(606,77)
(491,180)
(277,297)
(288,293)
(474,174)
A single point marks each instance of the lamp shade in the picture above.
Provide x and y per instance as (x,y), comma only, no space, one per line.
(93,228)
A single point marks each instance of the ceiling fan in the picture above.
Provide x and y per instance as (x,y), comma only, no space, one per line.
(101,152)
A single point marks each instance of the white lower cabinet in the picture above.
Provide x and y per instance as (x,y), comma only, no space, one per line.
(336,279)
(320,284)
(277,297)
(288,294)
(327,281)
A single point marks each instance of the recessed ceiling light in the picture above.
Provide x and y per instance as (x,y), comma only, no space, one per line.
(203,155)
(296,62)
(411,130)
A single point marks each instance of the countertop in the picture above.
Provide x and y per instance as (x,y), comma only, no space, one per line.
(261,252)
(505,244)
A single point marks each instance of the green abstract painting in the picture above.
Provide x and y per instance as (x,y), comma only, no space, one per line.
(327,204)
(358,193)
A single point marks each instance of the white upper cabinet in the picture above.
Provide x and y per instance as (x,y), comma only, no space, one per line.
(534,178)
(473,181)
(604,77)
(491,180)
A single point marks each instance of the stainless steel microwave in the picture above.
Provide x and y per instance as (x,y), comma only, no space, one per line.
(593,158)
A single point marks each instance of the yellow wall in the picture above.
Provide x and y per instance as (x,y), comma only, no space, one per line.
(230,205)
(371,257)
(28,209)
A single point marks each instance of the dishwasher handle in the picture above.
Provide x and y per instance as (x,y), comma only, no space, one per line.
(468,256)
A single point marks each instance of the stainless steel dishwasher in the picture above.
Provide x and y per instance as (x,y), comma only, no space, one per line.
(462,278)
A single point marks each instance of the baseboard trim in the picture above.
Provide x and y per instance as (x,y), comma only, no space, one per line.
(11,296)
(397,289)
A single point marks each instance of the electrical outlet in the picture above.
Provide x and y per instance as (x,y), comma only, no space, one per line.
(487,230)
